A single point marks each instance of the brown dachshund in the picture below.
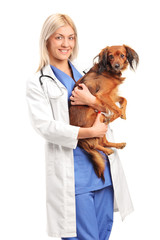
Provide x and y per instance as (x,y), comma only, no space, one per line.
(102,81)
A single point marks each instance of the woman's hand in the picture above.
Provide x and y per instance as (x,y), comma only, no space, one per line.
(98,129)
(82,96)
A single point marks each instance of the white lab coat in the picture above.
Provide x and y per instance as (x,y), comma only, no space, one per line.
(48,108)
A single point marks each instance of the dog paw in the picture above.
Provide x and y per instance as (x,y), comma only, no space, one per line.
(121,145)
(109,151)
(123,116)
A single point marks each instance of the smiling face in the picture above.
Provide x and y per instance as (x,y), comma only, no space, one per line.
(61,44)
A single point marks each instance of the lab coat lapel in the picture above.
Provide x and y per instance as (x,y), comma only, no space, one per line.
(48,71)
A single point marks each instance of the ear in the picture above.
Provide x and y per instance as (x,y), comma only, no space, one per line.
(102,60)
(132,57)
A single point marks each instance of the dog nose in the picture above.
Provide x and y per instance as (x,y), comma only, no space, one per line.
(117,65)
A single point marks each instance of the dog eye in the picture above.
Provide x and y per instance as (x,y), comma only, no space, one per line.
(122,55)
(111,56)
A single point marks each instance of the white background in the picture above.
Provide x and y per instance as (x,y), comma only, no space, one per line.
(22,168)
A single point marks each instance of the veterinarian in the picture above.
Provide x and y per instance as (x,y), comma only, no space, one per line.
(79,204)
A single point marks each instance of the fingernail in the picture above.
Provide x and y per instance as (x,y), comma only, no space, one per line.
(99,111)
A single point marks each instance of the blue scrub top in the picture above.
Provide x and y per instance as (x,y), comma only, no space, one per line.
(85,178)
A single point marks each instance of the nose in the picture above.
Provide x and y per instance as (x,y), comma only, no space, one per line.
(65,42)
(117,65)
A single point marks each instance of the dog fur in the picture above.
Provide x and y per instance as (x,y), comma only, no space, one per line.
(102,81)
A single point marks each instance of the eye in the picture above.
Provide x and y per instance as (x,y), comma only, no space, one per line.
(122,55)
(71,38)
(111,57)
(59,37)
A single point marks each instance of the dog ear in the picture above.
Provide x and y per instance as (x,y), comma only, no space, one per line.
(132,57)
(102,60)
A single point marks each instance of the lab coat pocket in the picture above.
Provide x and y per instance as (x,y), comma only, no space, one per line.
(58,98)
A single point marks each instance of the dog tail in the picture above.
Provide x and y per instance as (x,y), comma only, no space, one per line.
(97,159)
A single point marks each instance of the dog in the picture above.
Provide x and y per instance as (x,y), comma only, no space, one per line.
(102,81)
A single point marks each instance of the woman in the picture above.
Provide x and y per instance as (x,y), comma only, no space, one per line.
(79,204)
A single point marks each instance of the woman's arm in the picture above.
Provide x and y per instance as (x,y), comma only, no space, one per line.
(54,131)
(42,120)
(84,97)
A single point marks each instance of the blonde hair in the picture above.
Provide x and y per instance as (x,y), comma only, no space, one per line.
(51,24)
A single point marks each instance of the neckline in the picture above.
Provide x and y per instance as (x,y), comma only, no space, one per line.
(72,71)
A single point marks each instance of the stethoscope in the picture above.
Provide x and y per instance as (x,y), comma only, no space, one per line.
(47,76)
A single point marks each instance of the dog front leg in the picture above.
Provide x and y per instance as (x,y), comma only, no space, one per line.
(123,104)
(107,103)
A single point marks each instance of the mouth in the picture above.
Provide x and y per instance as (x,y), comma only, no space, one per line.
(64,51)
(117,69)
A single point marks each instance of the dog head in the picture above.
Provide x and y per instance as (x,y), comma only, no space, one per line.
(116,58)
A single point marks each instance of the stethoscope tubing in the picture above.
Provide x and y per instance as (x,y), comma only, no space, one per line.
(47,76)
